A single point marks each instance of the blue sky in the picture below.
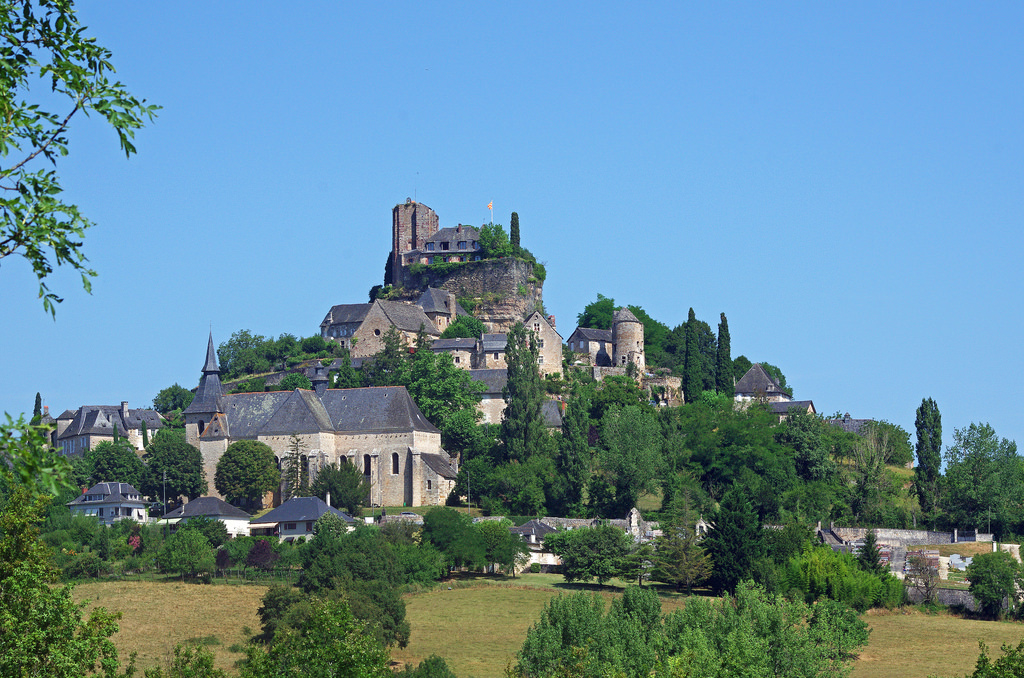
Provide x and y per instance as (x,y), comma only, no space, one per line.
(844,180)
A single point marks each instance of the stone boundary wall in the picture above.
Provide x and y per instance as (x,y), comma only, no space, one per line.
(893,537)
(946,597)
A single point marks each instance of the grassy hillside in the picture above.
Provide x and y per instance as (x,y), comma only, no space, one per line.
(479,624)
(158,615)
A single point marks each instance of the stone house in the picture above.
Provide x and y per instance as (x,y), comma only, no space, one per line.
(378,430)
(110,502)
(488,352)
(82,429)
(783,407)
(492,402)
(611,351)
(757,384)
(361,327)
(417,239)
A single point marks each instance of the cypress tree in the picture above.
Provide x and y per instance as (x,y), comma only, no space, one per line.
(37,411)
(145,436)
(736,542)
(929,458)
(692,381)
(522,427)
(514,233)
(723,360)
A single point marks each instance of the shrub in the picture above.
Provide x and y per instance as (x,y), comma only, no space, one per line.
(535,567)
(86,565)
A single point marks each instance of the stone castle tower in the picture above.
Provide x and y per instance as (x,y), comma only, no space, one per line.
(411,224)
(627,340)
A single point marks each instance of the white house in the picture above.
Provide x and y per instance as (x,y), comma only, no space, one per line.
(110,502)
(235,519)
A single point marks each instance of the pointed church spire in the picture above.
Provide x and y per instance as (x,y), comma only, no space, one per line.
(211,358)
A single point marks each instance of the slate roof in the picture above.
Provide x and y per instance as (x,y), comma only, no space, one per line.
(453,234)
(458,343)
(551,413)
(592,334)
(211,507)
(849,424)
(439,465)
(301,509)
(208,393)
(785,406)
(624,315)
(494,342)
(346,313)
(756,380)
(112,493)
(494,380)
(103,419)
(434,301)
(347,410)
(533,527)
(407,317)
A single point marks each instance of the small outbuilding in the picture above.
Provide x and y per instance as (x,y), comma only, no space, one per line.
(235,519)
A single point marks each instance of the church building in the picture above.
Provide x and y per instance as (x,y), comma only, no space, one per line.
(379,430)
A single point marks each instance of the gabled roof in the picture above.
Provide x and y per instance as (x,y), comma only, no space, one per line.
(458,343)
(494,380)
(494,342)
(785,406)
(104,419)
(455,234)
(301,412)
(533,527)
(591,334)
(111,492)
(407,317)
(346,313)
(435,300)
(849,424)
(376,409)
(551,413)
(301,509)
(756,380)
(543,318)
(439,465)
(211,507)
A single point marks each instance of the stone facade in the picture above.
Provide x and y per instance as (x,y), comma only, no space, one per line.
(488,352)
(380,430)
(610,352)
(82,429)
(411,224)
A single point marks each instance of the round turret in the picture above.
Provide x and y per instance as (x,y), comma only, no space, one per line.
(627,340)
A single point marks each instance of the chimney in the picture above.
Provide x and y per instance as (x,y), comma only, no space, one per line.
(46,410)
(327,499)
(124,411)
(551,321)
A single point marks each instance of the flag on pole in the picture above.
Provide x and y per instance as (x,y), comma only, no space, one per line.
(490,205)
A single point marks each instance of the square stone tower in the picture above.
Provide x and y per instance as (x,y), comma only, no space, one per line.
(411,224)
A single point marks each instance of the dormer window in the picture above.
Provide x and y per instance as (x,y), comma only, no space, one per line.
(430,247)
(444,246)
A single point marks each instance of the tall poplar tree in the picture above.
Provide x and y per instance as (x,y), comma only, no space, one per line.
(692,381)
(523,426)
(514,233)
(37,411)
(723,362)
(929,458)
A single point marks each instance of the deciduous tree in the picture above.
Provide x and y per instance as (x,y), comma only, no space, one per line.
(43,43)
(246,471)
(182,463)
(115,463)
(174,397)
(347,486)
(994,581)
(591,552)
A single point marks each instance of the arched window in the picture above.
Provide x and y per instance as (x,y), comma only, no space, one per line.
(366,464)
(394,463)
